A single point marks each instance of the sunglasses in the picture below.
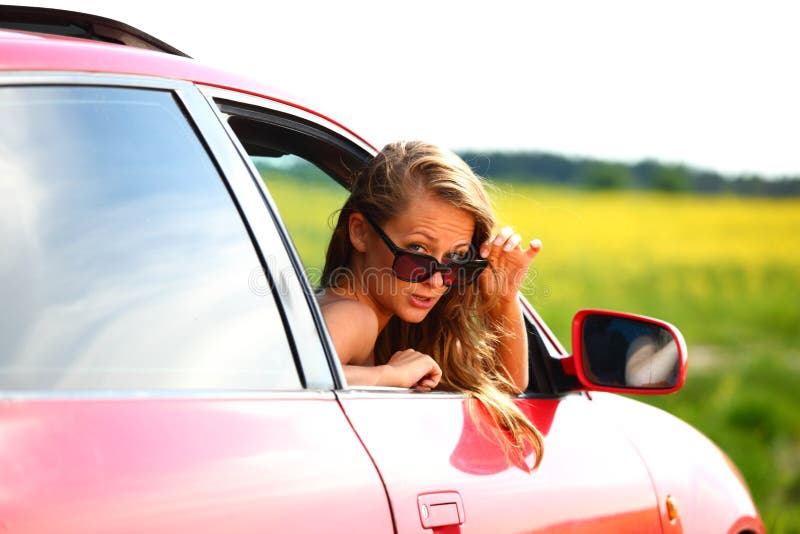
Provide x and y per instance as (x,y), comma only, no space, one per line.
(413,266)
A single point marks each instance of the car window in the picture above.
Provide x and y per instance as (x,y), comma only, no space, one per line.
(308,201)
(305,173)
(305,168)
(125,262)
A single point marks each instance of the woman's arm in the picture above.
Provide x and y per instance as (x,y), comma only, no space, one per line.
(354,328)
(509,266)
(367,375)
(405,369)
(513,350)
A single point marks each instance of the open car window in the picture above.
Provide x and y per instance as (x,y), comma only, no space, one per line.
(306,170)
(308,201)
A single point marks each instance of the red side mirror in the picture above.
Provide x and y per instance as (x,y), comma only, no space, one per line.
(627,353)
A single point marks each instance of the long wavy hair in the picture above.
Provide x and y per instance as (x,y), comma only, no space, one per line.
(458,332)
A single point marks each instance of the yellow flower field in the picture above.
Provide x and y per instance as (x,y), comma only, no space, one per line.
(635,229)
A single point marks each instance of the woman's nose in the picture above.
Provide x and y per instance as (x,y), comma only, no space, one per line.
(437,280)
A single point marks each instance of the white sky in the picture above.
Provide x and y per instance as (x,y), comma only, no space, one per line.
(715,84)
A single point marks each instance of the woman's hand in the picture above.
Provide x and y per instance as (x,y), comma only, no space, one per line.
(509,261)
(411,369)
(508,266)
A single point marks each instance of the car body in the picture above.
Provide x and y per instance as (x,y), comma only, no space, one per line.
(166,366)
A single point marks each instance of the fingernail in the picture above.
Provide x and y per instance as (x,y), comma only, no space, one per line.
(499,239)
(536,243)
(508,246)
(484,251)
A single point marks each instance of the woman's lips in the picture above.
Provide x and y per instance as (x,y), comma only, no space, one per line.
(419,301)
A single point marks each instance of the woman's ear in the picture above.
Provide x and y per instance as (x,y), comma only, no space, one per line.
(357,227)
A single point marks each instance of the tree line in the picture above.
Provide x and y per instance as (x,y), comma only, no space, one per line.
(599,174)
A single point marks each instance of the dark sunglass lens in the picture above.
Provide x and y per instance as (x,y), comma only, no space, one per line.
(413,268)
(450,277)
(463,275)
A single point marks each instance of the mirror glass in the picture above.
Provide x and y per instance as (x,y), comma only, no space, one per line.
(626,352)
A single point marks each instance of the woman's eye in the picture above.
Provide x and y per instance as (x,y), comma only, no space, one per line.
(457,256)
(416,247)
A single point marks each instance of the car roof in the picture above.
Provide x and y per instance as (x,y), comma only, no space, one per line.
(26,51)
(80,25)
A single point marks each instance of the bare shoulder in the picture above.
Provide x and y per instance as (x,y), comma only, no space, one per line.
(353,327)
(351,309)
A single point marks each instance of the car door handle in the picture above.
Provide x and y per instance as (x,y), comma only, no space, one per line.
(440,509)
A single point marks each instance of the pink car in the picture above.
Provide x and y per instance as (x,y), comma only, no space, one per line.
(165,366)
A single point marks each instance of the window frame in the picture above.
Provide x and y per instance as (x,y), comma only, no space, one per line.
(236,181)
(316,353)
(282,115)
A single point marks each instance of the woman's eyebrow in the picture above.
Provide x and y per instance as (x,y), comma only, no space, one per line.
(430,238)
(423,234)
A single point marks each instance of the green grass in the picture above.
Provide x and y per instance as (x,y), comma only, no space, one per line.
(725,270)
(723,305)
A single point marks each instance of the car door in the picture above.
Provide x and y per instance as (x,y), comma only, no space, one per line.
(156,368)
(440,471)
(432,455)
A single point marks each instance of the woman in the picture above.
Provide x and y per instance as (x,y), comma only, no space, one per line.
(417,292)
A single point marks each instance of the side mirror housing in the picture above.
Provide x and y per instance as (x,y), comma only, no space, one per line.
(627,353)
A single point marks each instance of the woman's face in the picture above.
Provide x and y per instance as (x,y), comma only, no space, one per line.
(430,226)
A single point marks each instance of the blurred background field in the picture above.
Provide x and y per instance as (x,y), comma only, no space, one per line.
(724,269)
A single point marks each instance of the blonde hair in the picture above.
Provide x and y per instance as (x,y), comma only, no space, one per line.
(458,333)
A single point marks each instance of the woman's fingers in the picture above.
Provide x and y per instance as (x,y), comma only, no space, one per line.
(433,374)
(508,262)
(501,237)
(418,369)
(512,242)
(494,245)
(534,248)
(507,240)
(426,384)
